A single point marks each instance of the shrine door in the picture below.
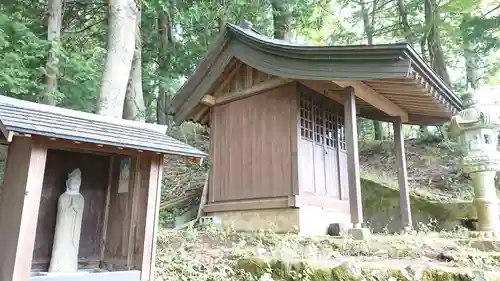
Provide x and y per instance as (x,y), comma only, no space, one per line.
(322,157)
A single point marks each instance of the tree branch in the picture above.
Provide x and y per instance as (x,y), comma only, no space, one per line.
(88,27)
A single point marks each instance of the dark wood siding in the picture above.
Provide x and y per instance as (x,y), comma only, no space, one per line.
(127,216)
(251,146)
(93,188)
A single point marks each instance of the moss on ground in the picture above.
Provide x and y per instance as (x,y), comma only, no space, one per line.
(288,271)
(381,209)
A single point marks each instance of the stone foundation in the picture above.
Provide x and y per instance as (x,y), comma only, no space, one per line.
(308,221)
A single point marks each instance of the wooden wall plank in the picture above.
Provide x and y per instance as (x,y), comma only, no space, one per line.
(252,146)
(117,236)
(151,223)
(19,205)
(140,224)
(135,193)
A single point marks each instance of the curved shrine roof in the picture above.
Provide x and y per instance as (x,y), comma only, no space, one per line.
(395,71)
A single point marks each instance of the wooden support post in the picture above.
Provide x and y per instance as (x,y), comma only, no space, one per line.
(134,197)
(19,206)
(353,158)
(353,175)
(404,193)
(203,199)
(152,213)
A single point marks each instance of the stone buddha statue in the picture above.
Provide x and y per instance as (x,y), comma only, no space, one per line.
(68,227)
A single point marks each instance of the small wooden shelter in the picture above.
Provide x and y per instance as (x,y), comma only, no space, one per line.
(282,117)
(120,217)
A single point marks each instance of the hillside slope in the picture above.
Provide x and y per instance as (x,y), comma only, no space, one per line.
(432,166)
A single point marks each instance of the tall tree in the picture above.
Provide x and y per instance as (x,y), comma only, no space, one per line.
(134,108)
(471,56)
(164,55)
(403,21)
(369,17)
(410,39)
(120,53)
(433,39)
(54,12)
(282,19)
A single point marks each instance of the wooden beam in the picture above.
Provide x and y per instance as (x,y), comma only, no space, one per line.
(404,193)
(248,76)
(353,174)
(61,144)
(19,206)
(152,213)
(374,98)
(320,87)
(135,187)
(228,78)
(107,206)
(201,112)
(203,200)
(208,100)
(248,204)
(251,91)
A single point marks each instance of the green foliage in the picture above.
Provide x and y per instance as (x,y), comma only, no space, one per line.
(22,56)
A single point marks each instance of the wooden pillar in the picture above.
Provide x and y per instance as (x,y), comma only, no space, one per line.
(404,193)
(351,135)
(19,205)
(152,213)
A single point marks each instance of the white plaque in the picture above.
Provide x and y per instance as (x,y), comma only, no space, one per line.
(124,176)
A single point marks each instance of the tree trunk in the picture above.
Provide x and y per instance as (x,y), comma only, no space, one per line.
(134,108)
(405,25)
(368,22)
(120,53)
(222,20)
(164,97)
(434,48)
(471,56)
(282,18)
(53,35)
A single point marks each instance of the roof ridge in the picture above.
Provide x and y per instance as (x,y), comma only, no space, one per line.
(81,114)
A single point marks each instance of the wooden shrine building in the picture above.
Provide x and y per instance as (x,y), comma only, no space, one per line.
(282,117)
(121,164)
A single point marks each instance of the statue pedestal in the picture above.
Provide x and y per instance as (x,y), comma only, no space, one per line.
(477,129)
(486,201)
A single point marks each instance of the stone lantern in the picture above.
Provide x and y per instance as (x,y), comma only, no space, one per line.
(477,129)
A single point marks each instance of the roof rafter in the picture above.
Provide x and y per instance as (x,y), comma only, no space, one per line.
(374,98)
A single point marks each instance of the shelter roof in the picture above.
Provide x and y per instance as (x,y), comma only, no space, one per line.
(394,71)
(18,116)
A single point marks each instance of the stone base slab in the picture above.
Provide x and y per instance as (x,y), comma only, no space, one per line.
(486,235)
(133,275)
(308,221)
(360,233)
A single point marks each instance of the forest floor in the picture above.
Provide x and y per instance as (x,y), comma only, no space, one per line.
(212,254)
(432,167)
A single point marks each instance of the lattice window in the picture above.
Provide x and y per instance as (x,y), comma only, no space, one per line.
(330,124)
(306,117)
(319,129)
(320,122)
(341,132)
